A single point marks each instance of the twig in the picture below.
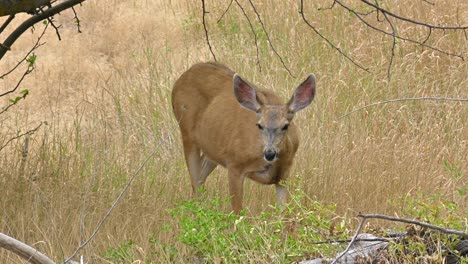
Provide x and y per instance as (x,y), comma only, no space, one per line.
(28,71)
(77,20)
(36,45)
(415,222)
(406,99)
(119,197)
(301,11)
(269,40)
(392,55)
(397,36)
(206,30)
(225,11)
(29,132)
(253,32)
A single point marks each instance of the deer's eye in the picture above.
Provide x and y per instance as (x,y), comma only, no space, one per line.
(285,127)
(260,126)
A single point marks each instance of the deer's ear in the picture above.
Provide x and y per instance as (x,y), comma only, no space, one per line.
(245,94)
(303,95)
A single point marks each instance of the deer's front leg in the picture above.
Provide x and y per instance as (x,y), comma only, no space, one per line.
(236,189)
(282,195)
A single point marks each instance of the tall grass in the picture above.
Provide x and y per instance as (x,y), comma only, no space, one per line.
(105,95)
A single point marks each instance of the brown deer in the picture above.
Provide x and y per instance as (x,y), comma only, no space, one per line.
(224,120)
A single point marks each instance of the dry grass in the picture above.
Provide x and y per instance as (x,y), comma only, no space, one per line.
(105,94)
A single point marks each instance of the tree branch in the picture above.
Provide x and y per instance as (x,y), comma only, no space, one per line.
(6,23)
(301,11)
(6,45)
(11,7)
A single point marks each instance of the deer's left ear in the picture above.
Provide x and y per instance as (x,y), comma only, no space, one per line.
(303,95)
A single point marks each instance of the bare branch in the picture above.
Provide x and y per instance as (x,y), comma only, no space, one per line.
(392,55)
(464,100)
(253,32)
(397,36)
(301,11)
(384,11)
(269,40)
(206,30)
(28,253)
(77,20)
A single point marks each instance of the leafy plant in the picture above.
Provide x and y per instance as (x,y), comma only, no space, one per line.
(271,237)
(122,253)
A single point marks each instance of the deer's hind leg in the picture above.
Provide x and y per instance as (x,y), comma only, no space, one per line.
(206,168)
(199,166)
(194,164)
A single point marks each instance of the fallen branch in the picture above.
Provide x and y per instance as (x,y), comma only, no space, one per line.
(365,217)
(27,252)
(415,222)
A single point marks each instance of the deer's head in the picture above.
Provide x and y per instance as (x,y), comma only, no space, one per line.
(273,120)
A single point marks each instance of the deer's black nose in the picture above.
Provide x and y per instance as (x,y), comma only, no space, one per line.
(269,155)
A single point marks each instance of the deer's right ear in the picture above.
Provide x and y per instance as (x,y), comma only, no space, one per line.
(245,94)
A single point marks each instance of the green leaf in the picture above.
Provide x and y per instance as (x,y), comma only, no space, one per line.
(31,59)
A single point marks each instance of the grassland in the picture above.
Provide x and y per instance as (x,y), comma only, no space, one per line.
(105,95)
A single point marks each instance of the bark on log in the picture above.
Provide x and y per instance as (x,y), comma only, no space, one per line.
(26,252)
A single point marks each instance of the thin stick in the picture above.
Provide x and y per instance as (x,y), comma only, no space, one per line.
(225,11)
(464,100)
(119,197)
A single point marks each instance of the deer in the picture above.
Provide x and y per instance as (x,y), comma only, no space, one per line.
(225,120)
